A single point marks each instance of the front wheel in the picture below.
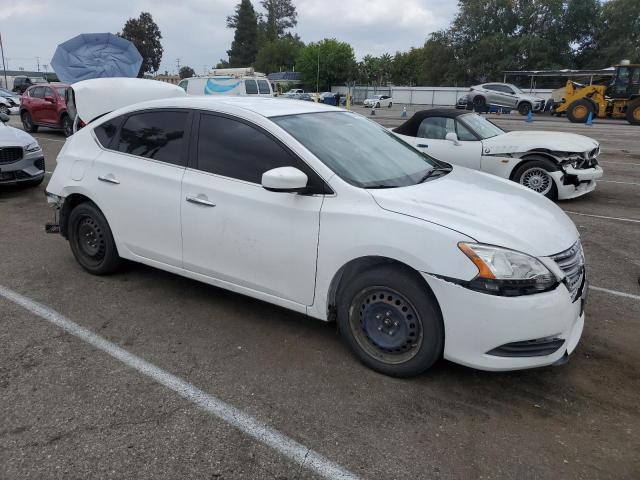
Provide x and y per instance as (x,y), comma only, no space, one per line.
(4,109)
(633,112)
(378,105)
(534,174)
(391,320)
(91,240)
(27,123)
(578,111)
(524,108)
(390,105)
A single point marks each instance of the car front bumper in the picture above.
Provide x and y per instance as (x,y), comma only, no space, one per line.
(573,182)
(26,169)
(476,323)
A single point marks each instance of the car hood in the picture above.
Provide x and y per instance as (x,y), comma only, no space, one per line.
(486,208)
(531,98)
(13,137)
(524,141)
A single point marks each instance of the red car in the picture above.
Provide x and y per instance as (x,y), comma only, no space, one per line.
(44,105)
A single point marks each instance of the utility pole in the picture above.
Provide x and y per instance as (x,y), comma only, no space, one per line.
(38,60)
(318,73)
(4,68)
(178,64)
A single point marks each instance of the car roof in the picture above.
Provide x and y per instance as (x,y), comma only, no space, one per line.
(410,127)
(264,106)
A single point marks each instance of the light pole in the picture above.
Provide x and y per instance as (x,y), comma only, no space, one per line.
(318,73)
(4,68)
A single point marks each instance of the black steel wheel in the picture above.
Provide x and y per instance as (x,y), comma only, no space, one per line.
(524,108)
(391,321)
(91,240)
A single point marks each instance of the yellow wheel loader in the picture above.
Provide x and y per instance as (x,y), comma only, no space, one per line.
(619,99)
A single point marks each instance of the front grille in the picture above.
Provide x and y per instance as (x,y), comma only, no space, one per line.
(10,154)
(528,348)
(571,262)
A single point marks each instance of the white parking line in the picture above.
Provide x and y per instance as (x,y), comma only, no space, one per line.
(615,292)
(235,417)
(603,216)
(613,181)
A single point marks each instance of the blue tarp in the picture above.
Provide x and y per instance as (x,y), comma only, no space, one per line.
(95,55)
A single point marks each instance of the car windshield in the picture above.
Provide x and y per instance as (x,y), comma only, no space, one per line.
(360,151)
(480,125)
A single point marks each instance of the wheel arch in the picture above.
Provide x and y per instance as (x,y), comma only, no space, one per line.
(70,202)
(531,156)
(358,265)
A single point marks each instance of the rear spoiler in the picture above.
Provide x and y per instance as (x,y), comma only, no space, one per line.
(96,97)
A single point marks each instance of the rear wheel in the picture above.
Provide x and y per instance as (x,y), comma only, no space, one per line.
(578,111)
(91,240)
(391,321)
(534,174)
(27,123)
(390,104)
(378,105)
(633,112)
(524,108)
(479,103)
(67,125)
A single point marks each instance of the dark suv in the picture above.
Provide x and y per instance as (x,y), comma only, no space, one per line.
(22,82)
(45,106)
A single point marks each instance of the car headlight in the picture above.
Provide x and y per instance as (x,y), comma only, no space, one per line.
(506,272)
(32,147)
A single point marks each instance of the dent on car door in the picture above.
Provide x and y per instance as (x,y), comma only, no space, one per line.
(137,182)
(234,230)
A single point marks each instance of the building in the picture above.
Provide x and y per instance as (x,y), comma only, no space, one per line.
(174,79)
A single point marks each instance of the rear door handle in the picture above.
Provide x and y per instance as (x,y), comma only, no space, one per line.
(109,178)
(200,199)
(422,145)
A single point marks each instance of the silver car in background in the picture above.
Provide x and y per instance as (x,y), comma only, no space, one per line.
(21,158)
(504,95)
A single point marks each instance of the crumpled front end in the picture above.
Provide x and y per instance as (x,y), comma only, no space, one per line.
(578,174)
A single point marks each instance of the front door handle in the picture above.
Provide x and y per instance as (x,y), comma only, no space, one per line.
(109,178)
(422,145)
(200,199)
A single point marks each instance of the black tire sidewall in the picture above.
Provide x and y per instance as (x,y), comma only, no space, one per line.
(418,293)
(111,260)
(522,106)
(66,118)
(542,163)
(4,109)
(584,102)
(28,125)
(629,114)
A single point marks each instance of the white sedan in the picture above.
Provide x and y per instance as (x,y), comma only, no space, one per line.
(415,259)
(378,101)
(555,164)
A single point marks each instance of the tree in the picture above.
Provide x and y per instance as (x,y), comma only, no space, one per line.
(145,35)
(281,16)
(278,55)
(325,63)
(617,35)
(186,72)
(245,40)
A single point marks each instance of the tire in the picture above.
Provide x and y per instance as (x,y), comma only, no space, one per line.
(633,112)
(578,111)
(524,108)
(91,240)
(531,174)
(67,125)
(27,123)
(390,105)
(383,302)
(4,109)
(479,103)
(378,105)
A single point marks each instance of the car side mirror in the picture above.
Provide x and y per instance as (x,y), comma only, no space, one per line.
(284,179)
(49,99)
(4,118)
(452,137)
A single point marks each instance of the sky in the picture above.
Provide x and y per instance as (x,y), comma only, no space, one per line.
(195,32)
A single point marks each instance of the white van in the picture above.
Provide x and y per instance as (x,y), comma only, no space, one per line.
(241,82)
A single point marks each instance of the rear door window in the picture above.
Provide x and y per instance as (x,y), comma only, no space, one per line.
(158,135)
(37,92)
(250,87)
(263,86)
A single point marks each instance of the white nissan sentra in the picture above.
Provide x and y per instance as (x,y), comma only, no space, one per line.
(322,211)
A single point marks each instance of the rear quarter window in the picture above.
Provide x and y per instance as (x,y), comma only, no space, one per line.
(106,131)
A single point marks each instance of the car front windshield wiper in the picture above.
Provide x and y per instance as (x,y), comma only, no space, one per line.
(434,171)
(382,185)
